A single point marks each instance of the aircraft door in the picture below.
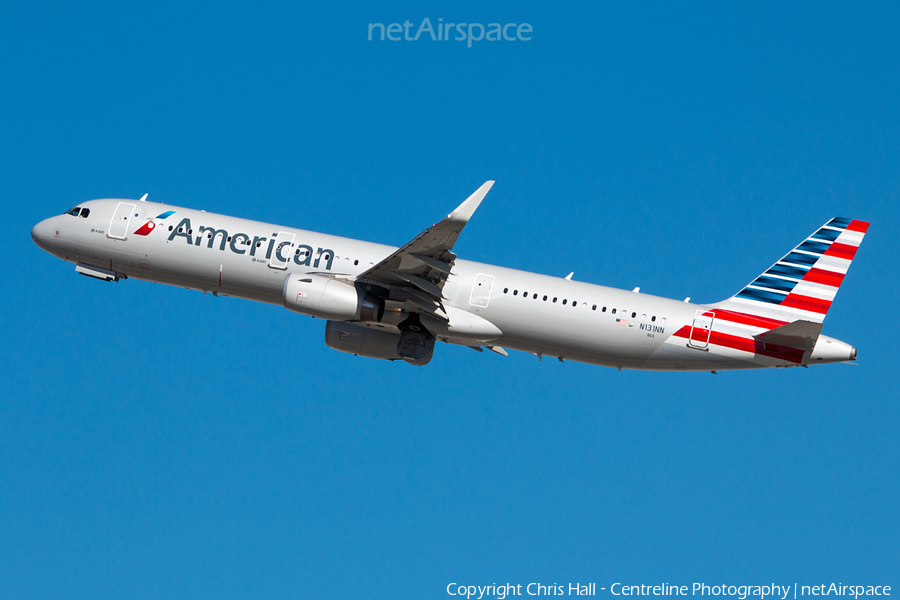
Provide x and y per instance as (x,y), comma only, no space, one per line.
(281,251)
(701,329)
(481,290)
(118,226)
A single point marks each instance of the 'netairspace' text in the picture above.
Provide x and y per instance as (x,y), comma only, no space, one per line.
(444,32)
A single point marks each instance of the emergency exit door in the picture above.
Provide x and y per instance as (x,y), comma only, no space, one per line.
(481,290)
(281,254)
(118,226)
(701,330)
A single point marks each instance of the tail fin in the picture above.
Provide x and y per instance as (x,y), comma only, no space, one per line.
(803,284)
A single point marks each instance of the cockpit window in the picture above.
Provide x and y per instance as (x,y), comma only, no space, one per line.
(85,212)
(74,211)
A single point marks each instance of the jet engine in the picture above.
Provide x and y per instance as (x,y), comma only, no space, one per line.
(326,298)
(414,346)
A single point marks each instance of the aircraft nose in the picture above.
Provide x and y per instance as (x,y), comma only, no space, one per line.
(42,233)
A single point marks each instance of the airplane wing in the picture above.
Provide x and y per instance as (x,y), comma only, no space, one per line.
(416,273)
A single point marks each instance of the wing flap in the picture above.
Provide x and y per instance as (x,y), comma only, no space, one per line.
(433,263)
(427,307)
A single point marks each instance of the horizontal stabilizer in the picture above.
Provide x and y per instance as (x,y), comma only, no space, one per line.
(799,334)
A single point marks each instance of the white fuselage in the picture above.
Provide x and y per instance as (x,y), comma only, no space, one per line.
(543,315)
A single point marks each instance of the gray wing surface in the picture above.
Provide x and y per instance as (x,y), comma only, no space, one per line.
(416,273)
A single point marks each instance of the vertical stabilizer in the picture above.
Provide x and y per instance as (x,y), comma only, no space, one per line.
(803,284)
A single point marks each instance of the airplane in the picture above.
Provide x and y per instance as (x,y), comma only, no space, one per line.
(394,303)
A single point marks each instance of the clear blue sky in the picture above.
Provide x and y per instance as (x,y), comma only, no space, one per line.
(159,443)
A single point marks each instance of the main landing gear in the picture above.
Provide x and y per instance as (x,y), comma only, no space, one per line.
(416,344)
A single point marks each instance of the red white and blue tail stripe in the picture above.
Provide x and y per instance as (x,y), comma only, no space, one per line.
(803,284)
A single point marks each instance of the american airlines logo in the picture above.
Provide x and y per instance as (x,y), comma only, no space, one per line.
(150,225)
(243,243)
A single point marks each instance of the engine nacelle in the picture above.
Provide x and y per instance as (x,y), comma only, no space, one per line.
(417,346)
(326,298)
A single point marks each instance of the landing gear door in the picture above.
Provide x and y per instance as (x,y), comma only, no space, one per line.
(118,227)
(281,251)
(701,329)
(481,290)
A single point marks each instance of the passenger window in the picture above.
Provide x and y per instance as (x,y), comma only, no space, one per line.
(524,294)
(595,307)
(535,297)
(355,262)
(564,301)
(613,311)
(554,300)
(505,290)
(633,315)
(171,227)
(574,302)
(603,309)
(662,321)
(515,292)
(85,212)
(545,298)
(653,319)
(229,238)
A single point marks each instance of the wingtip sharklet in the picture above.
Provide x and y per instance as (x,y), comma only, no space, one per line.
(464,211)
